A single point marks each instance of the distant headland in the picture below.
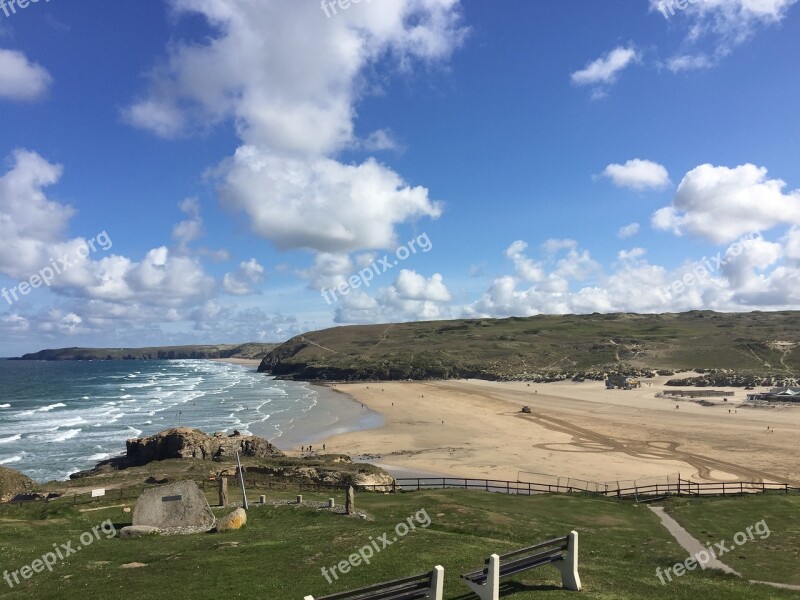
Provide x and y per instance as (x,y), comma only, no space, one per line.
(243,351)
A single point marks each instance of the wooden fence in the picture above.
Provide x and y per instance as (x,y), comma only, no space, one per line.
(681,487)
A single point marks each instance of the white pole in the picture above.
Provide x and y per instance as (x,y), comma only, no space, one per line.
(241,480)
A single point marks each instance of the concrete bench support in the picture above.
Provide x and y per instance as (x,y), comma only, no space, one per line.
(489,588)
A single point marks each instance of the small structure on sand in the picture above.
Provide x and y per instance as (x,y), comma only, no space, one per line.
(622,382)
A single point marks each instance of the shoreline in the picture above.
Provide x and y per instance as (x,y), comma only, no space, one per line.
(333,414)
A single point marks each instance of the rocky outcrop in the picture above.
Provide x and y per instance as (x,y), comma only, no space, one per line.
(184,442)
(13,483)
(375,478)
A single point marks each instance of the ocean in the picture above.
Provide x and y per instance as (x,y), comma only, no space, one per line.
(57,418)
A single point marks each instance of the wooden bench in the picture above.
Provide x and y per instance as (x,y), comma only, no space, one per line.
(428,585)
(560,552)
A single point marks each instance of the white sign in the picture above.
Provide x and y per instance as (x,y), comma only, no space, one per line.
(99,492)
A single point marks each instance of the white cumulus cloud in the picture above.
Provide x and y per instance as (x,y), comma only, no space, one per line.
(21,79)
(638,174)
(721,204)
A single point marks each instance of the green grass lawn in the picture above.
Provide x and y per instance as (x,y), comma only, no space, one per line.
(280,553)
(773,557)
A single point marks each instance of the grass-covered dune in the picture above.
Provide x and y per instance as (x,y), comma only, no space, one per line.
(250,351)
(518,348)
(279,554)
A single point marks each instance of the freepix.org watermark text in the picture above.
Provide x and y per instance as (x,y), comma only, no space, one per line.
(9,7)
(365,554)
(59,553)
(703,557)
(56,268)
(379,267)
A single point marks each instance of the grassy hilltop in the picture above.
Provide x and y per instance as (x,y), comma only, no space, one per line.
(520,348)
(279,554)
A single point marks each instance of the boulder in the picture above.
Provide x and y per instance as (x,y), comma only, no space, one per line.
(179,505)
(236,520)
(135,531)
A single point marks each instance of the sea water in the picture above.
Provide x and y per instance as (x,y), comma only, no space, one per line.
(57,418)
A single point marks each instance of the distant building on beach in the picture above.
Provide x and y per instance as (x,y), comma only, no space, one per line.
(699,393)
(622,382)
(779,394)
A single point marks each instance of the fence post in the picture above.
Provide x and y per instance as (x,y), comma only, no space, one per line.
(508,487)
(486,481)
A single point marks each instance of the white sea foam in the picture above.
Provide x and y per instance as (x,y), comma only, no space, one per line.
(8,440)
(5,406)
(62,436)
(98,457)
(11,459)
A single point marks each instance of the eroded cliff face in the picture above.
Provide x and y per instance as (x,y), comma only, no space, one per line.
(184,442)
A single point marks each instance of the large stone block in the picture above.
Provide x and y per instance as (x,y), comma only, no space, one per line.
(178,505)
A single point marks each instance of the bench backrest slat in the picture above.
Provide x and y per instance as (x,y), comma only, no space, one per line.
(560,543)
(541,556)
(415,582)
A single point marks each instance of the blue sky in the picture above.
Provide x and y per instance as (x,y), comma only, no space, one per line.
(228,160)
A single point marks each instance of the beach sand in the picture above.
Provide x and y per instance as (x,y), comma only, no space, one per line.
(247,362)
(577,430)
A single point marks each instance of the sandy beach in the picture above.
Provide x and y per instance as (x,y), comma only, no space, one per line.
(246,362)
(578,430)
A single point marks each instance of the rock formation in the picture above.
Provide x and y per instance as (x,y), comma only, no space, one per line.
(184,442)
(13,483)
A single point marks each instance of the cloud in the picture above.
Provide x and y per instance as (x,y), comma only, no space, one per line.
(628,231)
(21,79)
(412,286)
(526,269)
(751,274)
(33,229)
(721,25)
(243,281)
(191,229)
(638,174)
(689,62)
(379,140)
(604,71)
(411,297)
(721,204)
(289,79)
(632,254)
(321,204)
